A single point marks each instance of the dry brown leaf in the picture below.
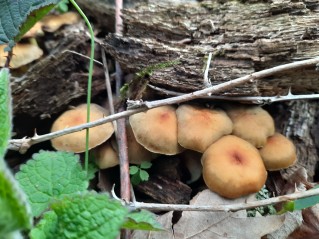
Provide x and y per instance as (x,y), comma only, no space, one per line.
(51,23)
(22,54)
(217,225)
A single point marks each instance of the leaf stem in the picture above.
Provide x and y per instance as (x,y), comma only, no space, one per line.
(89,87)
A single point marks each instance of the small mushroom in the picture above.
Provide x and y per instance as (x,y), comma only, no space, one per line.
(192,161)
(251,123)
(156,130)
(51,23)
(136,152)
(232,167)
(23,54)
(199,127)
(35,31)
(105,156)
(75,142)
(278,153)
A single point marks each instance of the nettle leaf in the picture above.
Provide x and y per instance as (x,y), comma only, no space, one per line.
(86,215)
(5,110)
(143,220)
(15,211)
(17,17)
(49,175)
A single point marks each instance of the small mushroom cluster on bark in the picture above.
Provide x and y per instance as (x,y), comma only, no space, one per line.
(237,144)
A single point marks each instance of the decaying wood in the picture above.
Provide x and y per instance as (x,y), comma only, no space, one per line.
(53,82)
(165,190)
(243,37)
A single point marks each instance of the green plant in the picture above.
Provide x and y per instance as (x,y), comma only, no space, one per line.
(54,183)
(138,174)
(63,6)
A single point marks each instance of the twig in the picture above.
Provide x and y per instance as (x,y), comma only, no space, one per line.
(84,56)
(224,208)
(23,144)
(262,100)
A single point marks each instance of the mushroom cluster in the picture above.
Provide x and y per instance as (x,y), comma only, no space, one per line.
(237,145)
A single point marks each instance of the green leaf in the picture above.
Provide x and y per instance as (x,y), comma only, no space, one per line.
(5,110)
(144,175)
(63,6)
(134,170)
(50,175)
(87,215)
(46,227)
(17,17)
(145,165)
(135,179)
(143,220)
(15,211)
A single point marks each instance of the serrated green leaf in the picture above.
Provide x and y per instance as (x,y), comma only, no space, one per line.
(46,227)
(143,220)
(144,175)
(134,170)
(17,17)
(87,215)
(145,165)
(49,175)
(15,211)
(5,110)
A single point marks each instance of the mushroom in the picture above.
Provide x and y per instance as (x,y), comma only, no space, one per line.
(278,153)
(199,127)
(156,130)
(251,123)
(75,142)
(22,54)
(191,160)
(105,156)
(51,23)
(136,152)
(232,167)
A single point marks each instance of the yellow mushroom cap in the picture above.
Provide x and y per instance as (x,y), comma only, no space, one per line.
(278,153)
(105,156)
(251,123)
(156,130)
(232,167)
(75,142)
(199,127)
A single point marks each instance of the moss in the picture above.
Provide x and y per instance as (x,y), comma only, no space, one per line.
(148,71)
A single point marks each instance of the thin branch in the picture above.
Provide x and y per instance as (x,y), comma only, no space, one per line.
(23,144)
(224,208)
(260,100)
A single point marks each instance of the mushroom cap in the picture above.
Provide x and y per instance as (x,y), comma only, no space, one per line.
(232,167)
(251,123)
(51,23)
(199,127)
(156,130)
(75,142)
(278,153)
(136,152)
(105,156)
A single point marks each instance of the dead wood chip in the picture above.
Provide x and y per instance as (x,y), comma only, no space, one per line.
(217,225)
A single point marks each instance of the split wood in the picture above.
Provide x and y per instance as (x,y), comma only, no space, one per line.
(22,145)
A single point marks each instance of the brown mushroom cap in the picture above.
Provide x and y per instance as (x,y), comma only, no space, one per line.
(105,156)
(199,127)
(51,23)
(156,130)
(75,142)
(278,153)
(251,123)
(232,167)
(136,152)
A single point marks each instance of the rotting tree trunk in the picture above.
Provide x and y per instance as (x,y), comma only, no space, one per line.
(172,42)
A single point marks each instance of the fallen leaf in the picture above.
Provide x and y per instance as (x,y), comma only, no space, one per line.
(203,224)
